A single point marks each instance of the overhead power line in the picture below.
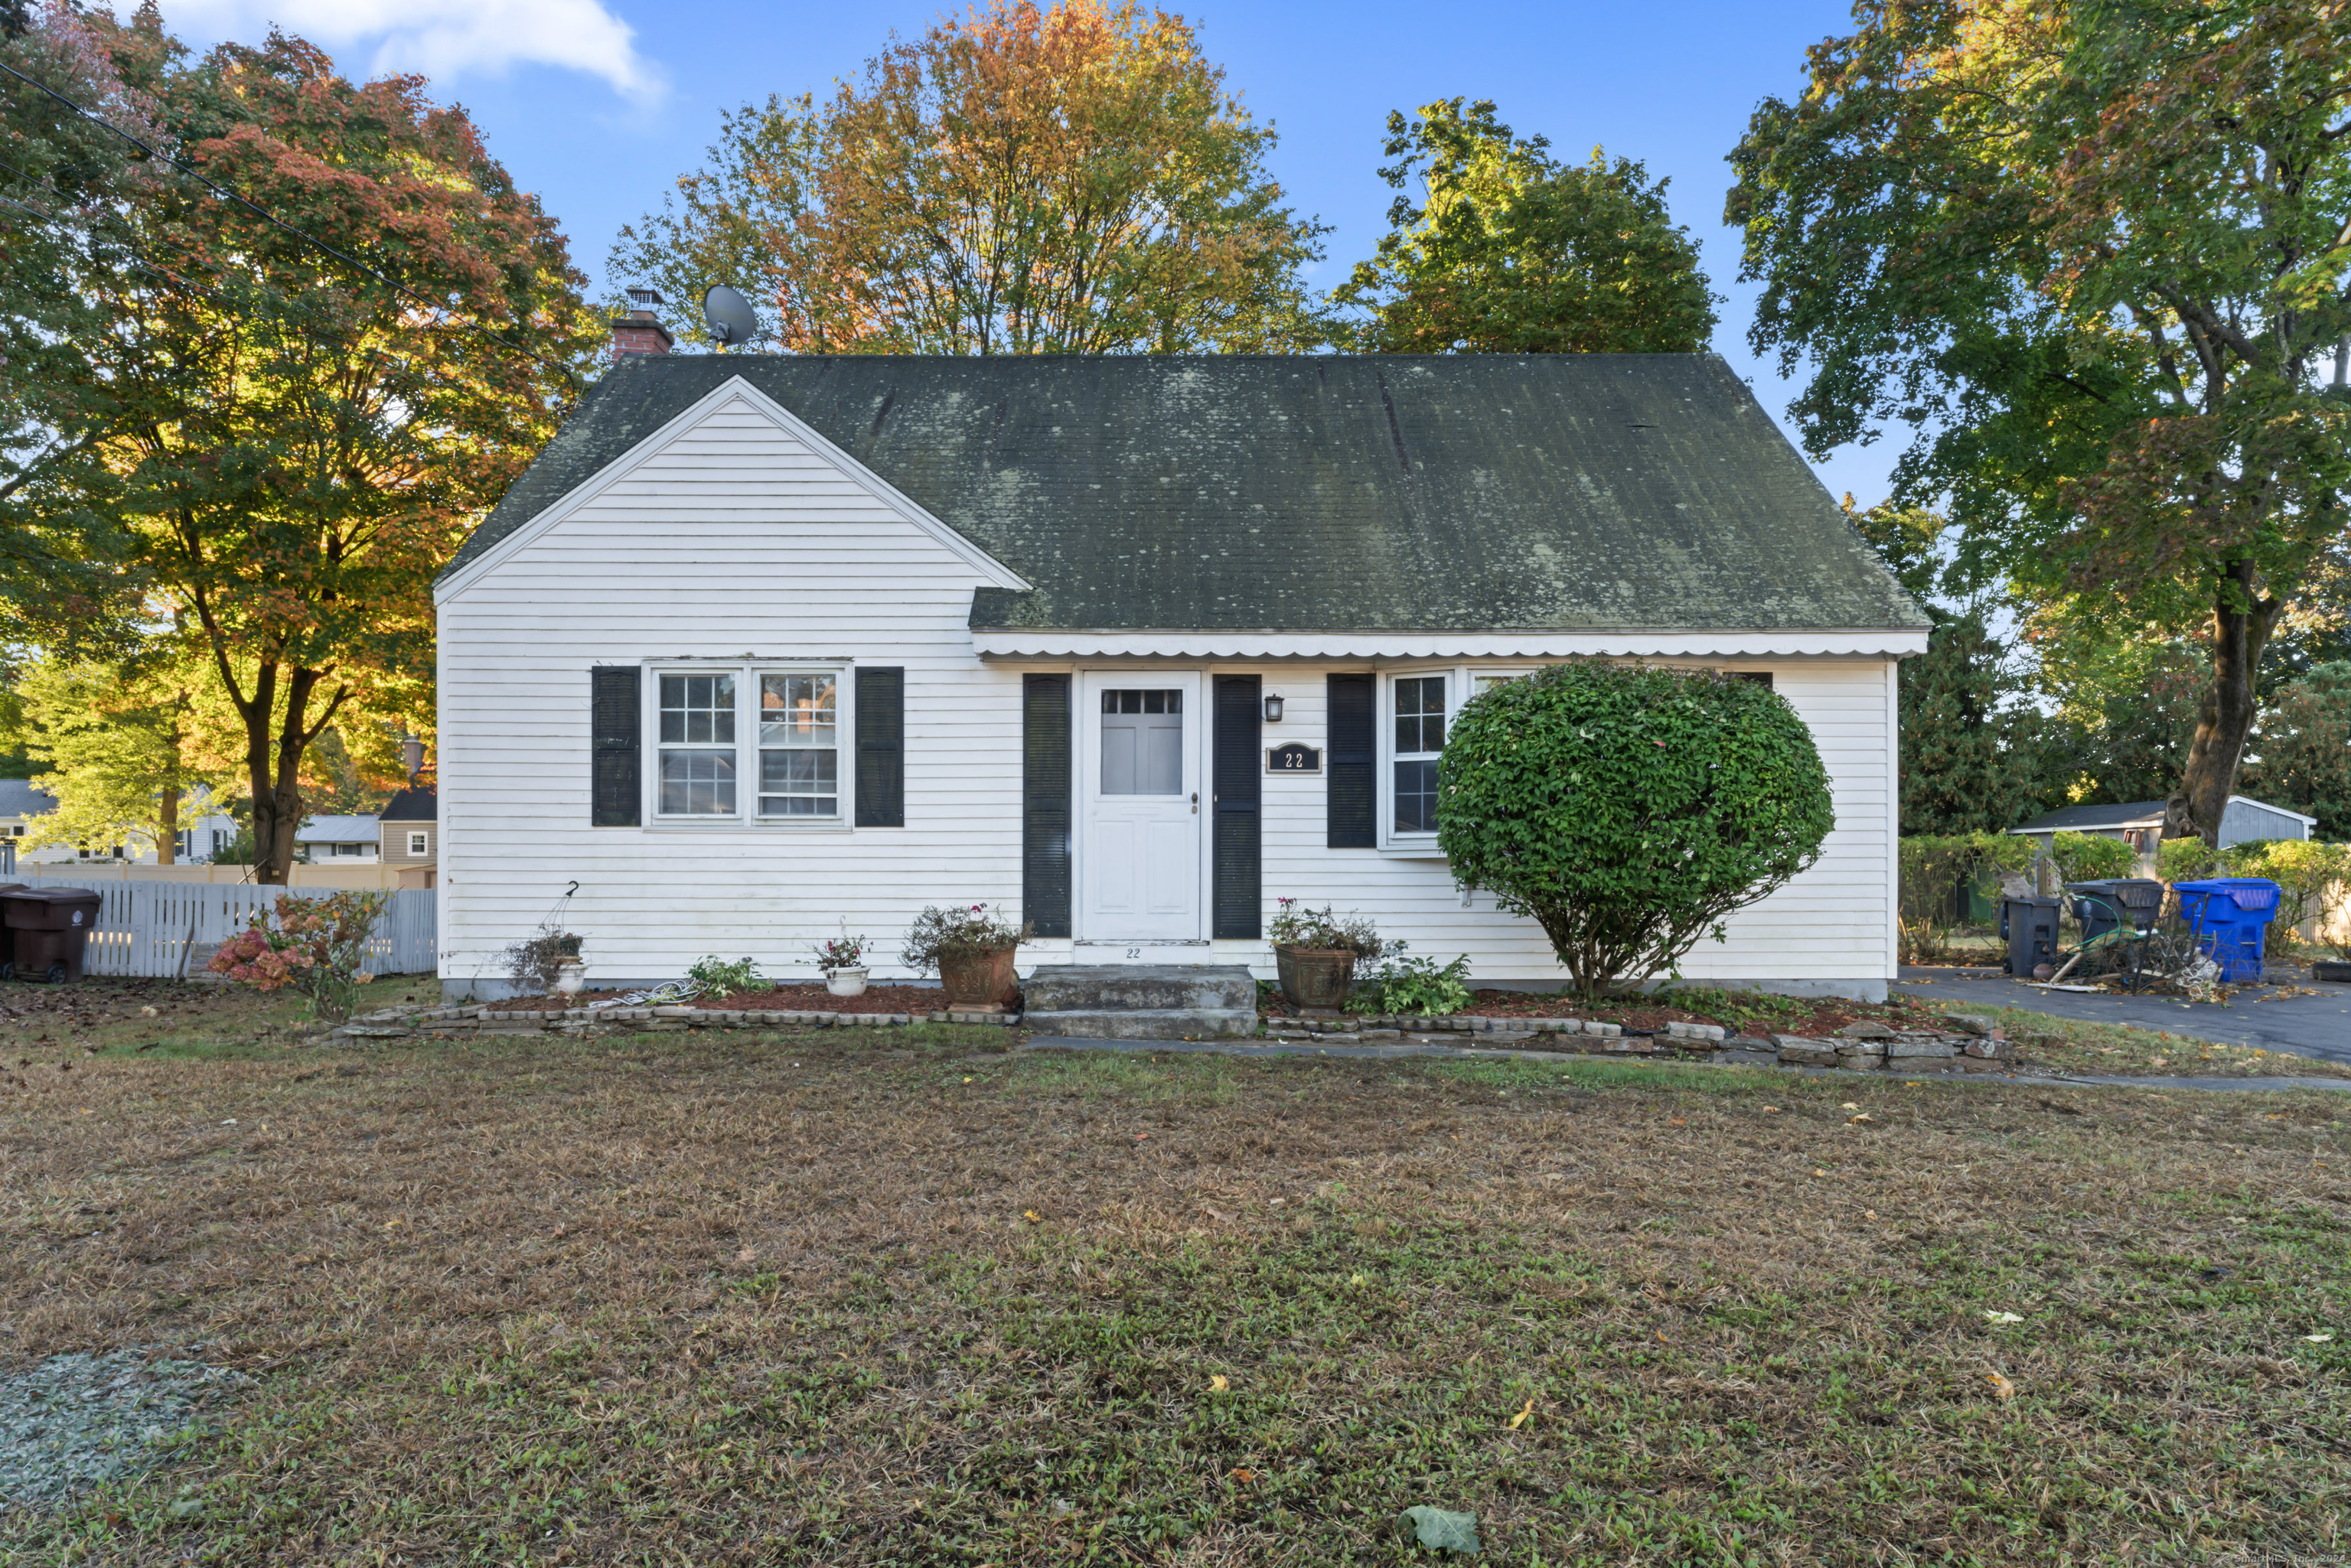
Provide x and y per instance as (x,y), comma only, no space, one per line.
(228,195)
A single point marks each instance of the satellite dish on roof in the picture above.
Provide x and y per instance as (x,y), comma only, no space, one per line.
(731,317)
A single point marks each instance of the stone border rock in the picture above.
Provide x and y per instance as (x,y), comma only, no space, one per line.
(1970,1045)
(458,1022)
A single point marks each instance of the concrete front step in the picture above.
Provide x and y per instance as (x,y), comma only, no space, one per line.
(1140,1001)
(1144,1023)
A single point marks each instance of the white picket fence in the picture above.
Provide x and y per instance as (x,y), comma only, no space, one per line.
(147,928)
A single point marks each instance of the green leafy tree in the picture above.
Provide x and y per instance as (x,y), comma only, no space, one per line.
(1629,809)
(2303,752)
(1974,750)
(1512,252)
(1071,179)
(120,751)
(2093,255)
(287,444)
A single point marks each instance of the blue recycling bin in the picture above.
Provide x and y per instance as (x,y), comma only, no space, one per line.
(2230,916)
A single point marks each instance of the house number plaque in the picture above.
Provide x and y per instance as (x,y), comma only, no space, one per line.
(1294,759)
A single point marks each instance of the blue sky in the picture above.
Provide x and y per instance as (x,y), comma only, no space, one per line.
(598,105)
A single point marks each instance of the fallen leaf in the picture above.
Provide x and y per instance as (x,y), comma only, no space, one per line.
(2003,1317)
(2317,1338)
(1677,1121)
(1849,1105)
(2000,1385)
(1865,1117)
(1820,1173)
(745,1256)
(1032,1217)
(1869,1214)
(1245,1476)
(1442,1530)
(1773,1109)
(1221,1216)
(1219,1384)
(1519,1420)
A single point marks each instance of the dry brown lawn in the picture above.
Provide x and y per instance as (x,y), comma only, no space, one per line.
(863,1297)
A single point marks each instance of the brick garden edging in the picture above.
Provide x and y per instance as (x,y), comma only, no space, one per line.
(399,1023)
(1971,1043)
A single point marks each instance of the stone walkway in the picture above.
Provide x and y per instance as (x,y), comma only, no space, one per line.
(1378,1053)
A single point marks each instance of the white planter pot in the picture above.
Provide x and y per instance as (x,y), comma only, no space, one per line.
(571,978)
(845,982)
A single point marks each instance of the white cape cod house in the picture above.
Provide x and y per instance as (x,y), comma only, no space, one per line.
(1128,647)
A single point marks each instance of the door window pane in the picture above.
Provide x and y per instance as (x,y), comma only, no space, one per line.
(1143,742)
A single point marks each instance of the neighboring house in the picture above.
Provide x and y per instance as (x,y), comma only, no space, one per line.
(328,840)
(409,830)
(760,645)
(2139,823)
(21,801)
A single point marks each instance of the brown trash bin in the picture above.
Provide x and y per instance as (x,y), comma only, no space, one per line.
(50,927)
(7,937)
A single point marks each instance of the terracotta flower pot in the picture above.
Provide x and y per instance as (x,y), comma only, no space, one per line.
(978,978)
(1315,977)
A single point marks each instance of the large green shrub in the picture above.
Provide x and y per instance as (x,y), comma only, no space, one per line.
(1628,809)
(2090,857)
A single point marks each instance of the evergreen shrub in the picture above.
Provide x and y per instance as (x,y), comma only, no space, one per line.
(1628,809)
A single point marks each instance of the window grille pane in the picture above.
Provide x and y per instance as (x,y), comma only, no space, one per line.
(697,710)
(1420,716)
(1416,797)
(697,783)
(796,710)
(799,783)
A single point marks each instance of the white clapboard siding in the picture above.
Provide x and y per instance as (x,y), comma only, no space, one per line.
(145,928)
(733,539)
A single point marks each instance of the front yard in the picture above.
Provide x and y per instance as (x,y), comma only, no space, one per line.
(905,1296)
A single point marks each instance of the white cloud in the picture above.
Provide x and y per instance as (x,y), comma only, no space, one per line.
(448,38)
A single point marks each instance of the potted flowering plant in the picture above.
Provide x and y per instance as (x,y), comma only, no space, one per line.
(1315,950)
(842,959)
(972,951)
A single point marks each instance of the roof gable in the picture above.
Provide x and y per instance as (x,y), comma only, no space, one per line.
(1309,491)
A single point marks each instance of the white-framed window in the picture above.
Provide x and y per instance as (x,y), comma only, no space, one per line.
(416,843)
(799,744)
(695,754)
(347,849)
(749,743)
(1418,707)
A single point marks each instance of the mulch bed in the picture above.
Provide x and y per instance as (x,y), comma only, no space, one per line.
(917,1000)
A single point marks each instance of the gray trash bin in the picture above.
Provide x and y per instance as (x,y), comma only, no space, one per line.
(2031,926)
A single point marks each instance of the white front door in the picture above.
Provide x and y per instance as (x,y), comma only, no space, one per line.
(1139,781)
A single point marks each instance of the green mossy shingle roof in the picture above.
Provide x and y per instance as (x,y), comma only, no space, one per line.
(1312,492)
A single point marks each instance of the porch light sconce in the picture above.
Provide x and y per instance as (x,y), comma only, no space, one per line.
(1273,707)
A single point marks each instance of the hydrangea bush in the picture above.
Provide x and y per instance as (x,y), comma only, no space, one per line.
(313,945)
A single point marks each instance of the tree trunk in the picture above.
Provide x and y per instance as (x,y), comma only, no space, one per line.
(167,820)
(274,766)
(2224,718)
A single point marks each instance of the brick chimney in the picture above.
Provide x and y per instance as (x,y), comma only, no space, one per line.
(640,331)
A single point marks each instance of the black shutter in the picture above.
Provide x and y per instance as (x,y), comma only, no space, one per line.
(1045,804)
(1238,780)
(882,748)
(616,716)
(1352,783)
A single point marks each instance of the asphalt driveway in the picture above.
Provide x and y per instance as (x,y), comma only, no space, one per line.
(2315,1026)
